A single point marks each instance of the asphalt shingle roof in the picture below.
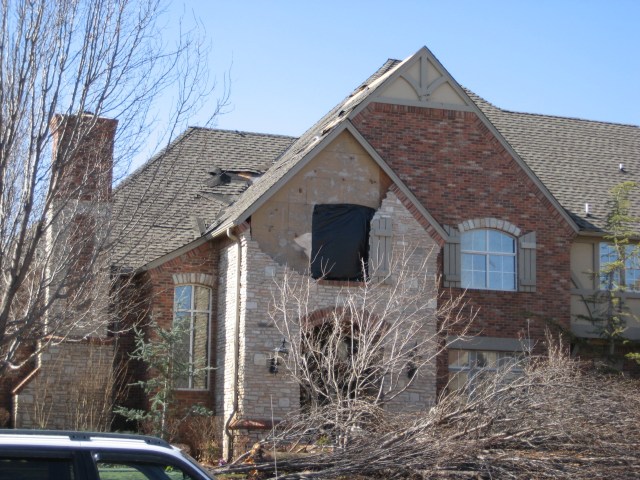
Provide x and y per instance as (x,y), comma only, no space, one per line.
(306,143)
(156,207)
(577,160)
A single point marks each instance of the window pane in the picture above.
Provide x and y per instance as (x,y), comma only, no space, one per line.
(632,256)
(201,301)
(607,253)
(19,468)
(479,263)
(609,269)
(467,261)
(509,264)
(495,241)
(495,281)
(479,280)
(632,267)
(458,358)
(134,470)
(479,240)
(182,298)
(508,281)
(200,350)
(182,347)
(466,241)
(191,319)
(457,381)
(473,271)
(500,242)
(495,263)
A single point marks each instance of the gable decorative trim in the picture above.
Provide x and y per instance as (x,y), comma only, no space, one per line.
(423,85)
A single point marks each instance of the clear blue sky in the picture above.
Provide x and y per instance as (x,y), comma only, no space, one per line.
(291,61)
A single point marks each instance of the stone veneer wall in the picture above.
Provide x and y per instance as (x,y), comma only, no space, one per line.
(226,334)
(71,389)
(262,394)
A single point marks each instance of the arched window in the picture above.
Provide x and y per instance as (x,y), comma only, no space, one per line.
(192,315)
(488,260)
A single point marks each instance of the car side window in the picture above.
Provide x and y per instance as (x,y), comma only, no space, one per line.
(26,468)
(140,470)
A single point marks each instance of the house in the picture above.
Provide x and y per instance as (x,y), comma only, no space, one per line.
(514,206)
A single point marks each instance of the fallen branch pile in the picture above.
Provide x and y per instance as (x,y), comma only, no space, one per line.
(555,421)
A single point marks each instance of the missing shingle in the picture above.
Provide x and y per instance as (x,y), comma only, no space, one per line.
(218,177)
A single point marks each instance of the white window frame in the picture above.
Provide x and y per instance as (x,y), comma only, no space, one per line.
(192,311)
(487,253)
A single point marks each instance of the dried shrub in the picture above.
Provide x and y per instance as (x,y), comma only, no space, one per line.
(203,434)
(556,420)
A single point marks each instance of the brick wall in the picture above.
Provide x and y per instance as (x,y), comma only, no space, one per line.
(83,152)
(459,171)
(197,266)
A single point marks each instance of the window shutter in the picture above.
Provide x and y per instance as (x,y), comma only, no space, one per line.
(452,258)
(380,247)
(527,262)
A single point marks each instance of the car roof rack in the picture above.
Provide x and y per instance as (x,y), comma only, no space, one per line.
(87,436)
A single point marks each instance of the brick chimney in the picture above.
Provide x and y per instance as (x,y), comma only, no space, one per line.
(82,168)
(83,156)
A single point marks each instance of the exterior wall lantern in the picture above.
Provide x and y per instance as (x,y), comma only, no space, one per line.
(280,352)
(412,368)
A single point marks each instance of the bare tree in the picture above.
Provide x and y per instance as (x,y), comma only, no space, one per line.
(374,348)
(555,419)
(66,66)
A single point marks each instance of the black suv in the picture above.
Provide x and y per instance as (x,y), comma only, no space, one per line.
(62,455)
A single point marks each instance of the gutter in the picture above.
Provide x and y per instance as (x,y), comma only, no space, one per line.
(236,347)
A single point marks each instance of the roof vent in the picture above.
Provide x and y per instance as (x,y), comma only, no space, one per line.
(586,209)
(621,168)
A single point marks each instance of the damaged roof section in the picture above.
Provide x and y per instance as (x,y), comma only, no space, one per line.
(305,144)
(180,192)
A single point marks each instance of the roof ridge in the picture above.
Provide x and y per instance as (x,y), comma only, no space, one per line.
(245,132)
(577,119)
(474,95)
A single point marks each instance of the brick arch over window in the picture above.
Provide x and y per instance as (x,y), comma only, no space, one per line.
(525,246)
(193,279)
(491,223)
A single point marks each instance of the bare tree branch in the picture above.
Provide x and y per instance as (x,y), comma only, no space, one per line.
(64,68)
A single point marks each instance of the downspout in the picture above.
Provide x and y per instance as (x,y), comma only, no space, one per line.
(236,347)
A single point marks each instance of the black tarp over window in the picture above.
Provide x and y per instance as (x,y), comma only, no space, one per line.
(340,241)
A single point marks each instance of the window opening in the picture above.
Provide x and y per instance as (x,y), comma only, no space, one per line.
(192,315)
(340,241)
(617,272)
(469,368)
(488,260)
